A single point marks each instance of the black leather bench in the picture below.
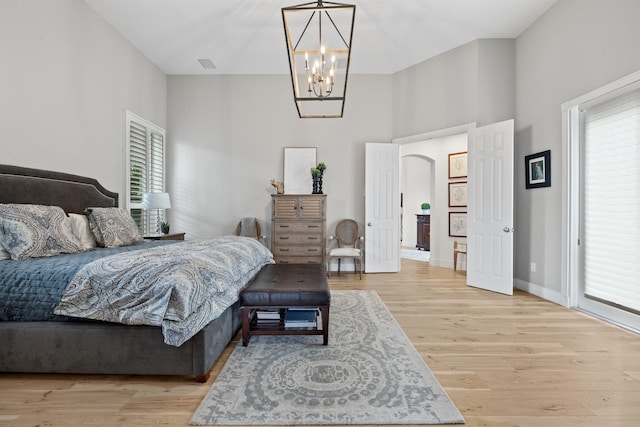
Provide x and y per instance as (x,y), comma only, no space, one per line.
(283,286)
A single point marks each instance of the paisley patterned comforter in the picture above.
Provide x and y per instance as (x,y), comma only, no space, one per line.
(180,287)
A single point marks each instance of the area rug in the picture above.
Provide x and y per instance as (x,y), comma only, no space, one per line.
(370,373)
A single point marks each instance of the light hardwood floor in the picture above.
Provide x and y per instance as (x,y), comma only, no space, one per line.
(504,361)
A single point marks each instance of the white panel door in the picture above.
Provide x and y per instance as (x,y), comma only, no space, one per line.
(382,208)
(490,208)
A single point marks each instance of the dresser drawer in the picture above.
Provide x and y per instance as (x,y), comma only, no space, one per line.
(297,239)
(281,250)
(298,227)
(299,260)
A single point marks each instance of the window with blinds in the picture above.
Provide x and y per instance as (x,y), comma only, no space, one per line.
(611,200)
(145,167)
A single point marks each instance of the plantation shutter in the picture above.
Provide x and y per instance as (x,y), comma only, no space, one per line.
(146,151)
(612,201)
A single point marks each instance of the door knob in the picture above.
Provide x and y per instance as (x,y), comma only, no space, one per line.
(507,229)
(368,224)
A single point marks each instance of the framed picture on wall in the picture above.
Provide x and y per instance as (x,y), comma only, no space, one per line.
(458,165)
(538,169)
(297,170)
(457,224)
(458,194)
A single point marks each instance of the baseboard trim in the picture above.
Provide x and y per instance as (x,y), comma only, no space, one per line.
(542,292)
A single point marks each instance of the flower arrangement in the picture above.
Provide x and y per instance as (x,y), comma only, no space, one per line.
(318,171)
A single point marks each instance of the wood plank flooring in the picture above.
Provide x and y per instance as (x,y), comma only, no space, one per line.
(504,361)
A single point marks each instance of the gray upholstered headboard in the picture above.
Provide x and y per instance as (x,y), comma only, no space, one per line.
(72,193)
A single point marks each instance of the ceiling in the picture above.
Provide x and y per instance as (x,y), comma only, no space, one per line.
(247,36)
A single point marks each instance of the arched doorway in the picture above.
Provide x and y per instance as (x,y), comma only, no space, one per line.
(416,187)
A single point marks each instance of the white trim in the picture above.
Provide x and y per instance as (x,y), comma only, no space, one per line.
(571,275)
(610,88)
(441,133)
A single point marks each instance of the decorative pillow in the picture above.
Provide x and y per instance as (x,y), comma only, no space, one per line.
(113,227)
(80,225)
(32,231)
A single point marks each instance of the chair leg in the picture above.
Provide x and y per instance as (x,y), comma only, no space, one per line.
(328,266)
(339,266)
(455,260)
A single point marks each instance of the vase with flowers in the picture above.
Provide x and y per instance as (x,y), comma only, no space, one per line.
(316,175)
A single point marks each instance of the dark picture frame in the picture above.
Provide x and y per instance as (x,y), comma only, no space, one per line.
(457,224)
(538,169)
(458,194)
(458,165)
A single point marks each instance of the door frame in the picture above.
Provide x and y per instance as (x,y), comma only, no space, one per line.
(571,207)
(437,258)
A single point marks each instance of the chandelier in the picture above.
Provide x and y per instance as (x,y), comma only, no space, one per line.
(318,37)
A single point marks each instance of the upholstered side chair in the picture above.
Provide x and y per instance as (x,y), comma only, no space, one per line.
(347,243)
(250,227)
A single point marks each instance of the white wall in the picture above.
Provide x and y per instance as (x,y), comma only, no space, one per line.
(438,149)
(577,46)
(65,81)
(227,135)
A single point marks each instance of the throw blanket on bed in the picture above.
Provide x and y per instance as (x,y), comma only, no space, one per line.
(180,287)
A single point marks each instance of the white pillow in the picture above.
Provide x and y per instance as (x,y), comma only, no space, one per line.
(80,225)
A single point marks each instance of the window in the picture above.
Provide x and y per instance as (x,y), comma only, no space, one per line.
(604,250)
(145,168)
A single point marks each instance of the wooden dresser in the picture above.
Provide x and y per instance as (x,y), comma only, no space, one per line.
(298,228)
(424,226)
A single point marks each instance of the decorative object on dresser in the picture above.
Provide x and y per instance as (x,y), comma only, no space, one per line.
(426,208)
(349,245)
(297,162)
(156,201)
(164,227)
(423,230)
(316,174)
(298,228)
(279,186)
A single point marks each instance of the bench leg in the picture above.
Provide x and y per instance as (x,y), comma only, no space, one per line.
(325,325)
(245,325)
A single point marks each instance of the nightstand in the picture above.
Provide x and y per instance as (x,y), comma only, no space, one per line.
(170,236)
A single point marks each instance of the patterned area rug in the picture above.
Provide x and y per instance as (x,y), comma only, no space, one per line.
(370,373)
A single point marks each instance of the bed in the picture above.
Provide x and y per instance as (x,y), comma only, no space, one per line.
(66,344)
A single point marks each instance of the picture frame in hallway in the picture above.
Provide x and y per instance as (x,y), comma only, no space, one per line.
(457,224)
(458,165)
(458,194)
(538,169)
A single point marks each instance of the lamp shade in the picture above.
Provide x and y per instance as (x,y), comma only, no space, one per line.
(156,201)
